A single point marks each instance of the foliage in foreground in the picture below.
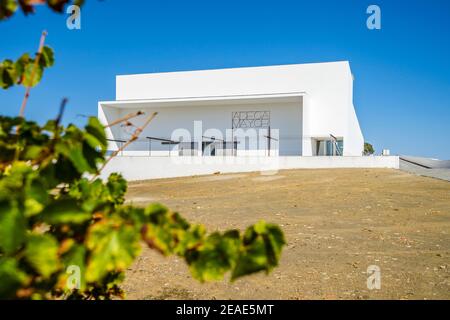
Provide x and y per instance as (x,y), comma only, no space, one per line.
(54,217)
(65,233)
(25,70)
(10,7)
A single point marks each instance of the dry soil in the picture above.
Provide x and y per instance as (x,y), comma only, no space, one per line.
(337,224)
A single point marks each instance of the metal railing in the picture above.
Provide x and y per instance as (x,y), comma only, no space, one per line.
(119,146)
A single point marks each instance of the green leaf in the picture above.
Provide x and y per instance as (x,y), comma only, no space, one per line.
(117,187)
(74,153)
(113,246)
(36,196)
(7,8)
(12,227)
(92,156)
(65,211)
(262,245)
(159,238)
(47,58)
(32,152)
(165,230)
(42,254)
(11,277)
(20,66)
(8,75)
(217,255)
(78,2)
(57,5)
(89,194)
(92,141)
(74,257)
(96,130)
(65,171)
(190,240)
(32,74)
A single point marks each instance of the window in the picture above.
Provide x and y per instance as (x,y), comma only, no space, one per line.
(328,147)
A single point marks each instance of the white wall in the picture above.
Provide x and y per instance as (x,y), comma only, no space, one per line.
(329,87)
(106,116)
(142,168)
(353,140)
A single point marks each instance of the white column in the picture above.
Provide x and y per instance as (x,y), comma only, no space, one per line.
(306,133)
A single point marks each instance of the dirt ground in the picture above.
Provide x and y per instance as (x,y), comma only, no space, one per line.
(337,224)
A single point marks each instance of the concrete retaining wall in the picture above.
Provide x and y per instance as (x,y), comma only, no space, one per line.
(144,168)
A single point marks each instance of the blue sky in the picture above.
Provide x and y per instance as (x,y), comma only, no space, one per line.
(402,72)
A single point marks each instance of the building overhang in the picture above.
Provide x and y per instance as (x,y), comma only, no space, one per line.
(291,97)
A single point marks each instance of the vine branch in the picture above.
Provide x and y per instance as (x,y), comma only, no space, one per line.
(125,118)
(33,73)
(134,137)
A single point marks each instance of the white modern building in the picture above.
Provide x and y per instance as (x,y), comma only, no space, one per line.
(286,112)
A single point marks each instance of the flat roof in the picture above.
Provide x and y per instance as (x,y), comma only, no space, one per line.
(293,65)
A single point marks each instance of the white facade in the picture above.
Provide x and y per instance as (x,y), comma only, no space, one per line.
(237,120)
(301,104)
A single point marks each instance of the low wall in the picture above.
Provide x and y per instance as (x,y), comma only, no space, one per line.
(143,168)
